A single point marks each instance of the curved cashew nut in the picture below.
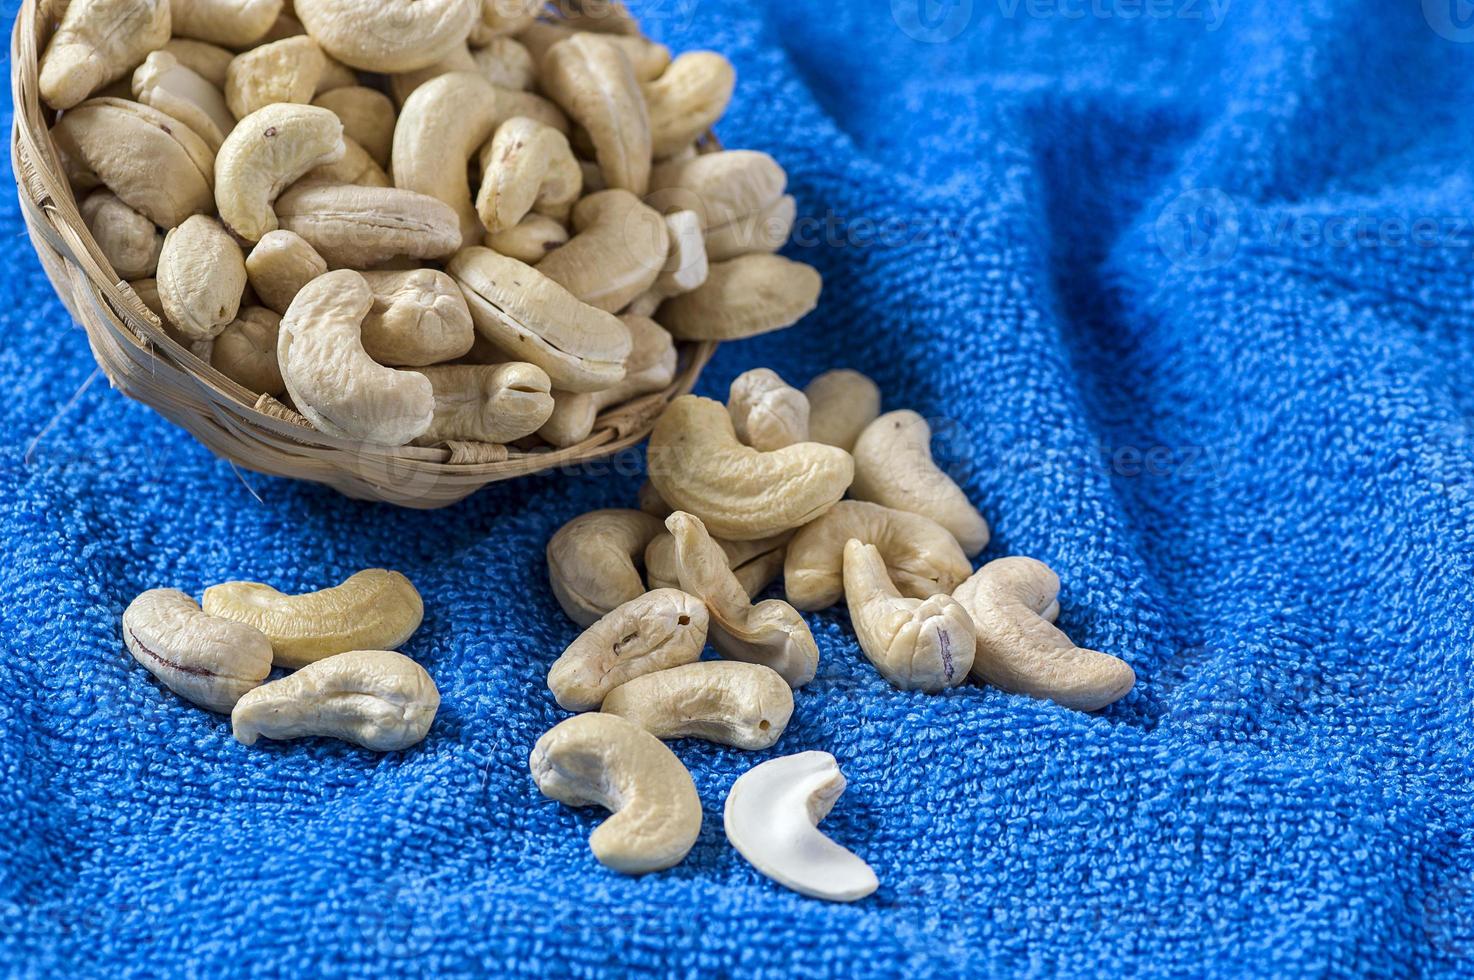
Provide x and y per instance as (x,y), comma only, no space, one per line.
(593,80)
(916,644)
(841,404)
(233,23)
(534,319)
(206,660)
(655,631)
(202,276)
(527,167)
(334,382)
(743,297)
(99,41)
(736,193)
(280,265)
(419,317)
(495,403)
(356,227)
(698,465)
(162,82)
(440,128)
(370,609)
(591,561)
(391,36)
(245,351)
(265,152)
(128,240)
(765,230)
(530,240)
(367,116)
(687,100)
(746,706)
(157,167)
(921,557)
(755,563)
(1012,602)
(378,699)
(602,760)
(618,251)
(767,413)
(771,633)
(772,818)
(894,467)
(650,367)
(647,58)
(288,70)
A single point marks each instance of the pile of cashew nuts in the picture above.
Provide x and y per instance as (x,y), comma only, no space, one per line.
(737,495)
(420,222)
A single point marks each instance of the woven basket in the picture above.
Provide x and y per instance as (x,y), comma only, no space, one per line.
(257,432)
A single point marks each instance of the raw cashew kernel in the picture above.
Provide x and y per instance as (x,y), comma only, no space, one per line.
(371,609)
(602,760)
(267,150)
(526,167)
(355,166)
(209,61)
(593,80)
(202,276)
(650,367)
(771,633)
(737,193)
(419,317)
(655,631)
(761,231)
(505,63)
(367,116)
(440,128)
(618,251)
(388,36)
(357,227)
(746,706)
(767,412)
(1012,602)
(894,467)
(686,265)
(687,99)
(841,404)
(534,319)
(283,71)
(206,660)
(332,379)
(921,557)
(755,563)
(404,84)
(916,644)
(245,351)
(647,58)
(698,465)
(487,403)
(99,41)
(500,17)
(772,818)
(233,23)
(743,297)
(162,82)
(378,699)
(279,266)
(530,240)
(591,562)
(128,240)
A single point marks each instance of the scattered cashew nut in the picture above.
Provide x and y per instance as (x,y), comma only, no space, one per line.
(755,563)
(99,41)
(767,413)
(655,631)
(266,151)
(202,276)
(841,404)
(591,561)
(206,660)
(746,706)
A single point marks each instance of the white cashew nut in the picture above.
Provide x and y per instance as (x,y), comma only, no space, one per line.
(245,351)
(528,166)
(841,404)
(280,265)
(265,152)
(496,403)
(129,241)
(206,660)
(367,115)
(440,128)
(655,631)
(755,563)
(767,413)
(530,240)
(233,23)
(743,297)
(202,276)
(746,706)
(618,251)
(591,562)
(593,80)
(772,818)
(419,317)
(651,366)
(687,100)
(357,227)
(99,41)
(162,82)
(388,36)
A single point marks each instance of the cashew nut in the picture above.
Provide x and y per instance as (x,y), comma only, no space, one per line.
(767,413)
(505,63)
(440,128)
(378,699)
(162,82)
(686,265)
(894,467)
(654,631)
(530,240)
(771,633)
(209,61)
(916,644)
(755,563)
(355,166)
(500,17)
(332,379)
(772,818)
(618,251)
(367,116)
(746,706)
(592,79)
(266,151)
(233,23)
(921,556)
(687,99)
(743,297)
(371,609)
(155,165)
(527,167)
(202,276)
(534,319)
(128,240)
(282,71)
(841,404)
(357,227)
(99,41)
(245,351)
(1012,602)
(419,317)
(487,403)
(591,562)
(762,231)
(647,58)
(650,367)
(404,84)
(698,465)
(388,36)
(602,760)
(279,266)
(736,193)
(206,660)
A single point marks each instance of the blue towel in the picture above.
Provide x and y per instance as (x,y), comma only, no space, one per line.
(1186,289)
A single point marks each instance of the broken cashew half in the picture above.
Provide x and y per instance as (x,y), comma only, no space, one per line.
(162,82)
(266,151)
(767,412)
(378,699)
(204,659)
(772,818)
(1012,602)
(746,706)
(591,561)
(841,404)
(655,631)
(603,760)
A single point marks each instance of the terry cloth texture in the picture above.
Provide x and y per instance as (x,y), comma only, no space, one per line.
(1186,290)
